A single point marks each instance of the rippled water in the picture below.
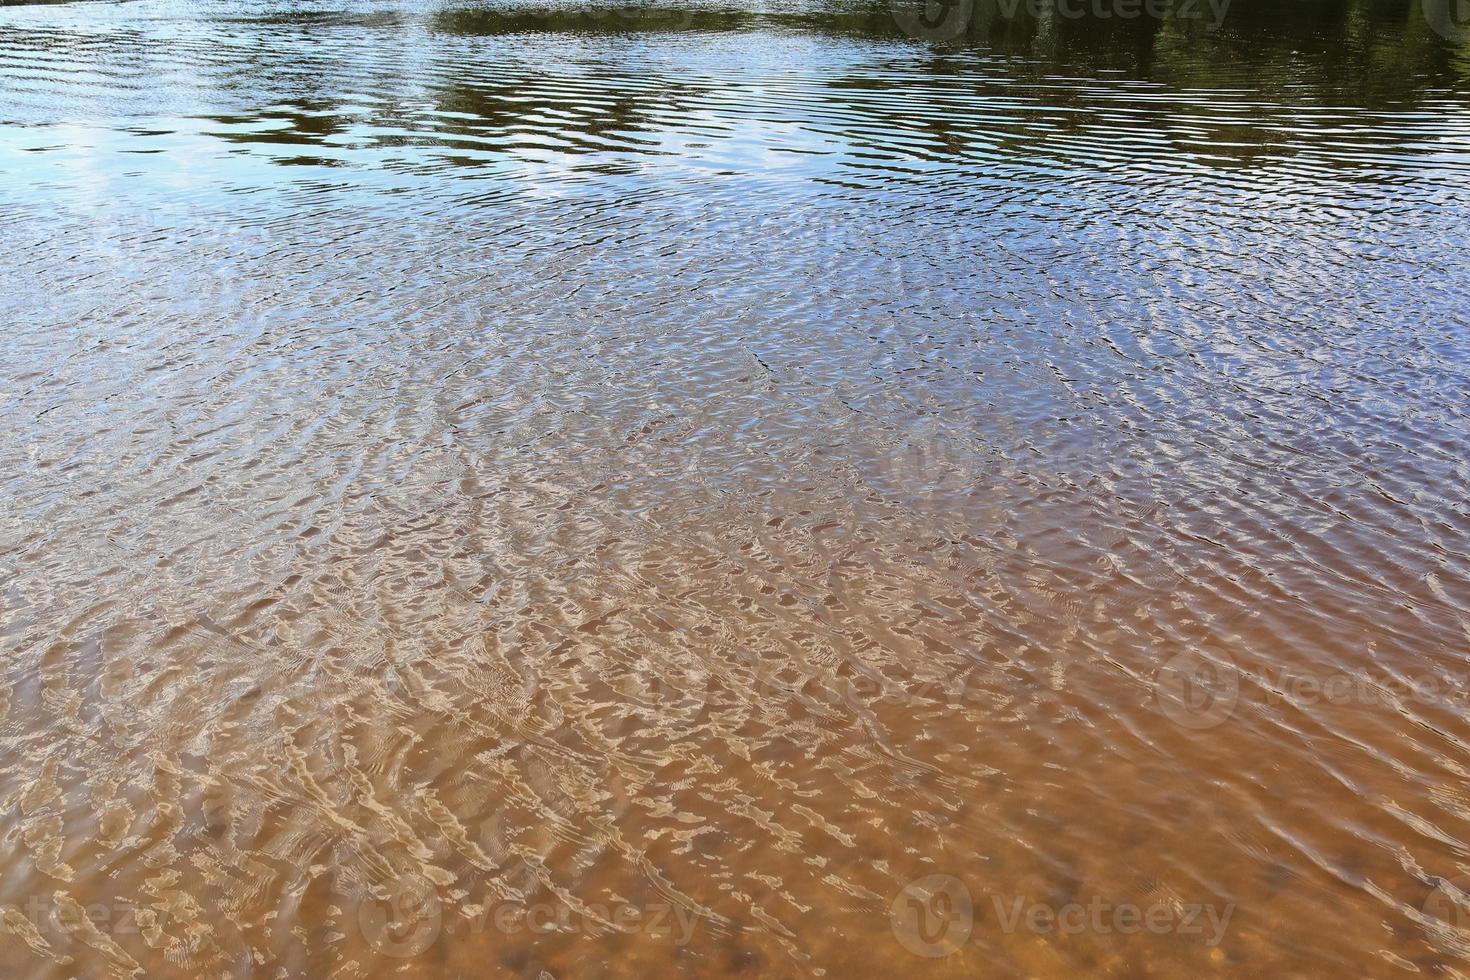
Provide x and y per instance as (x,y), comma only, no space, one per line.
(701,490)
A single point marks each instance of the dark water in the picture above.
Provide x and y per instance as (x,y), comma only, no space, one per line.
(688,491)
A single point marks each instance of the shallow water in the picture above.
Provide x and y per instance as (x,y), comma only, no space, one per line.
(690,491)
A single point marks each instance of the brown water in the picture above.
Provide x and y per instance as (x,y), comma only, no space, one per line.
(503,491)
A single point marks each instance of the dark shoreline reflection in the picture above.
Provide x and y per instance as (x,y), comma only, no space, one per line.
(999,86)
(1002,81)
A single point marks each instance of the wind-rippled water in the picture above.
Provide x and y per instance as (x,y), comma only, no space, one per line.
(589,491)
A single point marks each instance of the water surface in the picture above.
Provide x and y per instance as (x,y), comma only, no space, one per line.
(509,490)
